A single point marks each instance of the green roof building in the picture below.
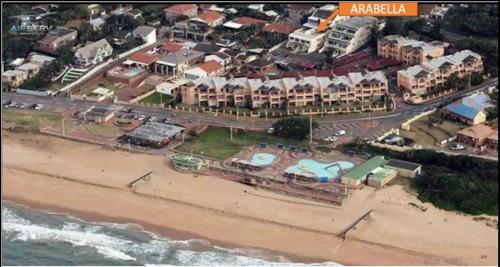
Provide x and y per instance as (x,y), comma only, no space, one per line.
(360,173)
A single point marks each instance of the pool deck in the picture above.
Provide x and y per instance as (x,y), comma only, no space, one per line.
(286,158)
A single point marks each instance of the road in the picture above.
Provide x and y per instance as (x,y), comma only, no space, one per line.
(363,125)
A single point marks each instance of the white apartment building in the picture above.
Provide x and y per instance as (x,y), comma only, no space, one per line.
(307,39)
(349,35)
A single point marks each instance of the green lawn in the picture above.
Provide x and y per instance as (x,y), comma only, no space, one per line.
(102,130)
(215,142)
(157,98)
(429,136)
(33,119)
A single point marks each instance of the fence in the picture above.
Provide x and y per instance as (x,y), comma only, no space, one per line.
(34,92)
(272,114)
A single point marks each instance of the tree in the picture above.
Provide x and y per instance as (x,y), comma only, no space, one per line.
(293,127)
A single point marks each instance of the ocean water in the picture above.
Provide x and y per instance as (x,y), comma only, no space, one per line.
(33,237)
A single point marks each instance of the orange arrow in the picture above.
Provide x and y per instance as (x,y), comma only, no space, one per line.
(324,25)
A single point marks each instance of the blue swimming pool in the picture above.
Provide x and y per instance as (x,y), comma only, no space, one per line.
(263,158)
(323,171)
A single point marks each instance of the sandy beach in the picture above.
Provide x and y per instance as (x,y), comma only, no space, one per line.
(90,181)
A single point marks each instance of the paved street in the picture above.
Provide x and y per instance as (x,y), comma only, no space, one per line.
(363,125)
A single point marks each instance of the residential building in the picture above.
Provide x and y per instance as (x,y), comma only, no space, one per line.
(180,12)
(409,51)
(438,12)
(134,13)
(349,35)
(203,70)
(146,33)
(297,11)
(121,37)
(308,39)
(56,39)
(242,22)
(421,78)
(14,78)
(199,27)
(142,60)
(305,91)
(176,63)
(469,110)
(260,65)
(478,136)
(93,53)
(31,69)
(169,47)
(220,57)
(282,28)
(40,59)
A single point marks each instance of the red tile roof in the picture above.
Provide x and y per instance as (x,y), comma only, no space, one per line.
(280,27)
(210,16)
(248,21)
(210,66)
(181,8)
(144,58)
(171,47)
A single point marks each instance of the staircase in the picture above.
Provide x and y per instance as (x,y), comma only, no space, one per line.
(73,75)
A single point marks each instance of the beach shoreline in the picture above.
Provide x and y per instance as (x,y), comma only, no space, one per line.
(183,207)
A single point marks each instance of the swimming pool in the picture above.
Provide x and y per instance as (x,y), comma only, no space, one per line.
(133,72)
(263,158)
(323,171)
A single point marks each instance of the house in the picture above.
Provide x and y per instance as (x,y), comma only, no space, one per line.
(409,51)
(121,37)
(438,12)
(142,60)
(40,59)
(260,65)
(297,11)
(199,27)
(478,135)
(206,69)
(180,12)
(146,33)
(98,22)
(177,62)
(469,110)
(256,7)
(31,69)
(134,13)
(223,59)
(56,39)
(282,28)
(206,48)
(170,47)
(14,78)
(242,22)
(17,62)
(93,53)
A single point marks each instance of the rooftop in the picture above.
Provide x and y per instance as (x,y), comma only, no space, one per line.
(155,131)
(401,164)
(210,16)
(144,58)
(479,131)
(360,171)
(280,27)
(469,106)
(181,8)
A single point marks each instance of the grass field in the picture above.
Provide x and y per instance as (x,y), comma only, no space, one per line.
(102,130)
(426,135)
(157,98)
(32,119)
(215,142)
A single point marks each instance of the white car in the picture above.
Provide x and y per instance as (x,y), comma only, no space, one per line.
(340,133)
(141,118)
(152,118)
(38,106)
(456,146)
(270,130)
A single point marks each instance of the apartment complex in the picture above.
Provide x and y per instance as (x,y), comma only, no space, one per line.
(420,78)
(350,34)
(56,39)
(306,91)
(307,39)
(409,51)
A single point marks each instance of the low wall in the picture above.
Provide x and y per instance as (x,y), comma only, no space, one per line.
(34,92)
(407,124)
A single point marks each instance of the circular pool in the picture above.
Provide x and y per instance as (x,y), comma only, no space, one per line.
(263,158)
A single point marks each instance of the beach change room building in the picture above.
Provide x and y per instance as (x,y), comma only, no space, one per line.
(153,134)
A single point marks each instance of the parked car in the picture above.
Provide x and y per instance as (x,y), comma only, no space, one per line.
(7,103)
(270,130)
(456,146)
(141,117)
(152,118)
(340,133)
